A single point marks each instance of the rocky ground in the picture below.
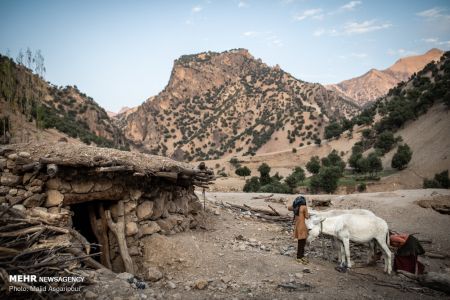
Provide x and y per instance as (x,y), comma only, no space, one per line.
(239,256)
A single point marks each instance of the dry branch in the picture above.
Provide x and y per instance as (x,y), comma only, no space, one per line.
(118,228)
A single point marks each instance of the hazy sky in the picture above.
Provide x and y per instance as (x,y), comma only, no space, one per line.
(121,52)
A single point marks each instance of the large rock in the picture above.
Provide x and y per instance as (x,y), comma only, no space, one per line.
(53,184)
(145,210)
(150,228)
(169,223)
(102,185)
(2,163)
(131,228)
(181,203)
(9,179)
(153,274)
(135,194)
(82,187)
(54,198)
(158,207)
(34,201)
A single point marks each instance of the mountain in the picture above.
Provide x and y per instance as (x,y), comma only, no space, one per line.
(376,83)
(34,103)
(222,104)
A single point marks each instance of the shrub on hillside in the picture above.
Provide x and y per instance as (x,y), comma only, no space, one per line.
(440,181)
(313,166)
(275,187)
(362,187)
(385,141)
(296,178)
(243,171)
(252,185)
(402,157)
(264,171)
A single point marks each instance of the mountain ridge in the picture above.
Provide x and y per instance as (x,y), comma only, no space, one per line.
(232,103)
(376,83)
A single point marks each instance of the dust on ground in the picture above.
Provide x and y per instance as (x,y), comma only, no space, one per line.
(238,256)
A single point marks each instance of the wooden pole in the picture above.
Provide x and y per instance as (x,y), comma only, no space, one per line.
(118,229)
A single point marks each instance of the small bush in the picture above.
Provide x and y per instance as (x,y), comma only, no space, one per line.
(252,185)
(440,181)
(362,187)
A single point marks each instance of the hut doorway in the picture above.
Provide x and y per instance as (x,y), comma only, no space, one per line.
(82,223)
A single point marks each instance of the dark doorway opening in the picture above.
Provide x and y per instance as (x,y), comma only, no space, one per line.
(82,224)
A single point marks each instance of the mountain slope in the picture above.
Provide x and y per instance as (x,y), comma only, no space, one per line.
(375,83)
(26,96)
(219,104)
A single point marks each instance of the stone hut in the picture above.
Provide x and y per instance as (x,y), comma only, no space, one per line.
(110,198)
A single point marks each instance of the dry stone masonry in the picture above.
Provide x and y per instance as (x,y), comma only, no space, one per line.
(110,197)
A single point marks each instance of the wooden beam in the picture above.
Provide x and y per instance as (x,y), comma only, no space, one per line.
(113,169)
(118,228)
(113,194)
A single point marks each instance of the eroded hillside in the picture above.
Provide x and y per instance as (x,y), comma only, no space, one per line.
(32,102)
(219,104)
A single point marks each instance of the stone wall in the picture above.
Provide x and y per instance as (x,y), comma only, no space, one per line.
(152,205)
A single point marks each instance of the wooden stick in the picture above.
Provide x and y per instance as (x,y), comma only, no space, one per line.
(277,213)
(87,260)
(113,169)
(118,229)
(104,240)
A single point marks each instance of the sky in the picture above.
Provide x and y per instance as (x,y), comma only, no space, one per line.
(122,52)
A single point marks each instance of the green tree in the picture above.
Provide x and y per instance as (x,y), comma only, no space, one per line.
(243,171)
(264,171)
(275,187)
(296,178)
(385,141)
(326,180)
(252,185)
(313,166)
(334,159)
(334,129)
(374,164)
(402,157)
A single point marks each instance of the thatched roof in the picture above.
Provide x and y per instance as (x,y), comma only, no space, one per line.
(108,160)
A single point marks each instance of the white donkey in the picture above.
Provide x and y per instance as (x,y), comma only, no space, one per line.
(353,227)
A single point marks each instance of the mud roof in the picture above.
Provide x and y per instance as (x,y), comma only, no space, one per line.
(109,160)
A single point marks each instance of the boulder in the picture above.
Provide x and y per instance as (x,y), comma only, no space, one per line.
(13,192)
(145,210)
(27,177)
(54,198)
(37,182)
(13,156)
(169,223)
(131,228)
(2,163)
(19,207)
(150,228)
(102,185)
(34,201)
(135,194)
(4,190)
(24,154)
(53,184)
(129,206)
(82,187)
(153,274)
(158,207)
(9,179)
